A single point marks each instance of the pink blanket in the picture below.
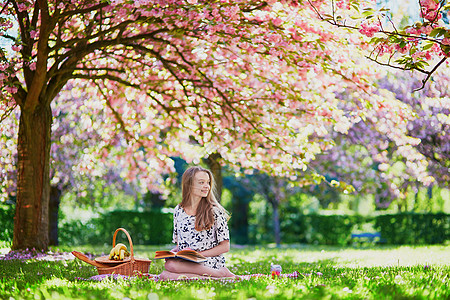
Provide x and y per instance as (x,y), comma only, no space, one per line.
(155,277)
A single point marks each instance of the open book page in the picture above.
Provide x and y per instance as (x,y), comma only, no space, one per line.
(187,254)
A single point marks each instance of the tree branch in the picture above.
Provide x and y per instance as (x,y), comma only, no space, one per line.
(424,81)
(116,114)
(84,11)
(394,33)
(4,7)
(7,112)
(258,7)
(40,74)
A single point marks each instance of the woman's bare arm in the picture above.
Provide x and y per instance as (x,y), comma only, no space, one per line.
(223,247)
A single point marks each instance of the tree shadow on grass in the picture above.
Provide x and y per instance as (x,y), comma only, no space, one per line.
(23,273)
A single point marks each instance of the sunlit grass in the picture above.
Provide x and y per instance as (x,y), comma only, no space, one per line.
(325,272)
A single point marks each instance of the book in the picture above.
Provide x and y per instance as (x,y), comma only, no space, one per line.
(187,254)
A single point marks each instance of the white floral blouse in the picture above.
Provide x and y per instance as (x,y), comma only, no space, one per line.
(186,236)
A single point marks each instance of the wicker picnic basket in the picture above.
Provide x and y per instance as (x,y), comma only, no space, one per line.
(130,266)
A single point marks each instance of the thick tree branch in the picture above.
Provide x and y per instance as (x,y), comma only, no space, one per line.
(38,81)
(83,11)
(104,77)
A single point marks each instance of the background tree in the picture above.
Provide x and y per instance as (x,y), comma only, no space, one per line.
(77,159)
(385,165)
(250,80)
(242,194)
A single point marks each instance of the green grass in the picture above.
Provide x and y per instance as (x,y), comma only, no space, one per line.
(327,273)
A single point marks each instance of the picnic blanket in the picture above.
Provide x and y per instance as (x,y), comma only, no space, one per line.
(155,277)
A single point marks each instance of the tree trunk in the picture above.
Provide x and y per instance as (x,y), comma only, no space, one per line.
(53,212)
(33,184)
(276,222)
(215,167)
(239,221)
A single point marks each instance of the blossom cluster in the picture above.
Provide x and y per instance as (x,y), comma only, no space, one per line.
(430,10)
(369,29)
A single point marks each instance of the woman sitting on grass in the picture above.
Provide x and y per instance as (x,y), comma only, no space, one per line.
(200,224)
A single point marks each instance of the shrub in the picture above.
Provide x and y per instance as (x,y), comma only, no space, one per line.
(406,228)
(330,230)
(145,228)
(411,228)
(320,229)
(7,221)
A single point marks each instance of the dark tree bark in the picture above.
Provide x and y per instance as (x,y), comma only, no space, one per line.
(53,212)
(213,162)
(33,184)
(242,195)
(239,220)
(276,222)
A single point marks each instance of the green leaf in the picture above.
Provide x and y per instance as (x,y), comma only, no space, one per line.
(355,6)
(438,32)
(367,13)
(427,45)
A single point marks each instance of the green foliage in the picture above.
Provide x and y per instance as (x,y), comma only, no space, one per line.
(76,232)
(329,230)
(155,228)
(7,221)
(145,228)
(411,228)
(320,229)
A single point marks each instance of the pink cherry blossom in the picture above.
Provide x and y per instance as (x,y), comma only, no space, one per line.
(429,9)
(33,66)
(277,21)
(16,48)
(33,34)
(369,29)
(11,89)
(22,7)
(446,41)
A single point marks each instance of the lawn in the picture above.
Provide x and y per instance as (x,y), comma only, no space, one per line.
(325,272)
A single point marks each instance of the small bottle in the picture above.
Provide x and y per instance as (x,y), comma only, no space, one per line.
(275,270)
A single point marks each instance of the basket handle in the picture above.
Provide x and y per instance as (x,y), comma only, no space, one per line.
(129,240)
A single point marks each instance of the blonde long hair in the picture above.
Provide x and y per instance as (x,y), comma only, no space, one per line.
(204,216)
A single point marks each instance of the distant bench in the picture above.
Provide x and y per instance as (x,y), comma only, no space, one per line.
(368,236)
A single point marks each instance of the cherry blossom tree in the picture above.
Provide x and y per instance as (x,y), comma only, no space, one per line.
(250,80)
(78,161)
(376,163)
(422,46)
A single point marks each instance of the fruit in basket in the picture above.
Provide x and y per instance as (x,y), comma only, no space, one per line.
(119,252)
(122,254)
